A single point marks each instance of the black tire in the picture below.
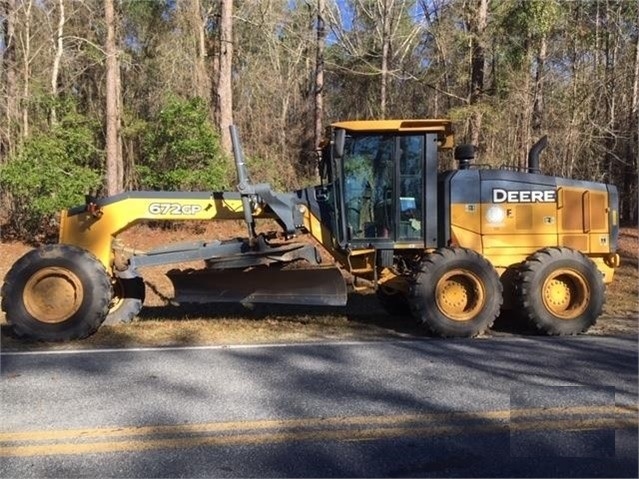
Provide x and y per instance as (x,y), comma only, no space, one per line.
(457,293)
(56,293)
(560,291)
(127,301)
(393,301)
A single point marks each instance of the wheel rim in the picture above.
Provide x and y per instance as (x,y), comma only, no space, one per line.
(53,295)
(566,294)
(460,295)
(118,295)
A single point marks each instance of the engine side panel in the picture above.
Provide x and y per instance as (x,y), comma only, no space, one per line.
(508,215)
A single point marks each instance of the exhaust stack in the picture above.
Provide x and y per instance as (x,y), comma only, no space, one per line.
(533,154)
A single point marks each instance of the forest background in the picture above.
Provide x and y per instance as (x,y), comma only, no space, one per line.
(106,95)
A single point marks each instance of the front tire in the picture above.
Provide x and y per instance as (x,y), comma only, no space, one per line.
(393,301)
(127,301)
(457,293)
(56,293)
(560,291)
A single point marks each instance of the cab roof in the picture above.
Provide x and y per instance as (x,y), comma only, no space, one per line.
(441,126)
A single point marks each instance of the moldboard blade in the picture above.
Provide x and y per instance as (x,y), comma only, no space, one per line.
(315,286)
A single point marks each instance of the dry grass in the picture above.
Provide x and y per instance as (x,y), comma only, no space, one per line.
(621,311)
(161,324)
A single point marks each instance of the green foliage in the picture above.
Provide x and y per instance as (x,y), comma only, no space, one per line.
(181,151)
(524,24)
(51,171)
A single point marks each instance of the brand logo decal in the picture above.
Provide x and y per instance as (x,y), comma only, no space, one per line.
(524,196)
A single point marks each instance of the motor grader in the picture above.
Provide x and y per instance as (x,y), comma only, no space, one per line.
(453,248)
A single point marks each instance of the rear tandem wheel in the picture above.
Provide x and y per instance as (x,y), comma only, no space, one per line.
(560,291)
(56,293)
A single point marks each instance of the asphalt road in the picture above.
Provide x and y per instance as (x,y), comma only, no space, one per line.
(497,407)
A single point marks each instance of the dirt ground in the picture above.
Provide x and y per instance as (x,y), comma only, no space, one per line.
(162,323)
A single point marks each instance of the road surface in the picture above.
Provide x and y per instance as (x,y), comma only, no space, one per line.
(495,407)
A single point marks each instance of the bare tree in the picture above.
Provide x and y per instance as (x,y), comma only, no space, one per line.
(114,168)
(25,40)
(384,11)
(378,46)
(224,84)
(319,74)
(9,67)
(55,70)
(478,20)
(201,77)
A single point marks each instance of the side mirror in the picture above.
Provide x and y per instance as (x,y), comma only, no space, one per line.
(338,143)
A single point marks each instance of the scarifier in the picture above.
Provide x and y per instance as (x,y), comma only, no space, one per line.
(452,248)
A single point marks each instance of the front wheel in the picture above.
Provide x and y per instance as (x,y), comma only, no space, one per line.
(457,293)
(393,301)
(56,293)
(127,301)
(560,291)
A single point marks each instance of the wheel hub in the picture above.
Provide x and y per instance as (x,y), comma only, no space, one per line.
(459,295)
(566,294)
(53,295)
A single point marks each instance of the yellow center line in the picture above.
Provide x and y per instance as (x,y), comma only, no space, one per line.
(175,429)
(246,425)
(306,435)
(355,428)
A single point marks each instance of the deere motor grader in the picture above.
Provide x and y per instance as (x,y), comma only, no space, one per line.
(452,248)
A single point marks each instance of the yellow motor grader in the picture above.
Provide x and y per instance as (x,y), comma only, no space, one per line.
(452,248)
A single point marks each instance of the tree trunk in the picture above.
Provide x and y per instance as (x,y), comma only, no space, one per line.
(386,39)
(319,75)
(224,86)
(9,66)
(631,213)
(201,80)
(538,105)
(26,69)
(55,71)
(114,180)
(478,23)
(635,81)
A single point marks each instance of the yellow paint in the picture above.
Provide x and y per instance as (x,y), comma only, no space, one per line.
(521,219)
(95,233)
(322,235)
(606,269)
(466,238)
(578,220)
(441,126)
(357,428)
(466,217)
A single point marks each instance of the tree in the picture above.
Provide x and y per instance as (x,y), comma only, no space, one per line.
(7,136)
(114,168)
(374,39)
(198,21)
(25,41)
(55,70)
(224,113)
(319,75)
(477,22)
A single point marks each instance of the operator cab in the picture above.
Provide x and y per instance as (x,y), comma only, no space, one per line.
(384,174)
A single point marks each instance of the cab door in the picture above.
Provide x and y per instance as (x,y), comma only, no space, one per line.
(368,180)
(410,179)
